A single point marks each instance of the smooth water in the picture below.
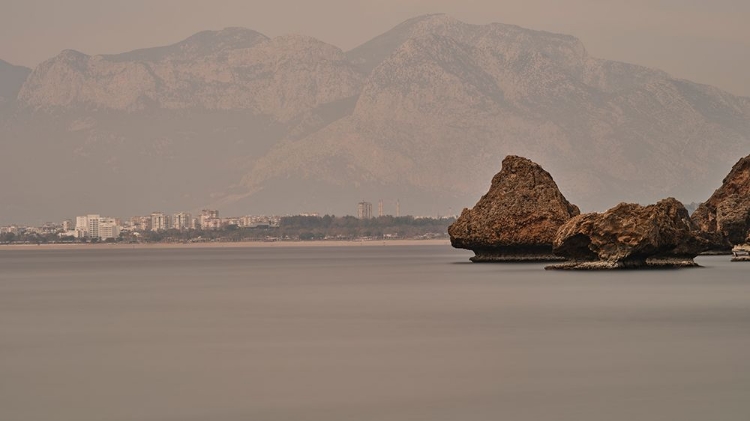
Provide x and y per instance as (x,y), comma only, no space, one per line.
(365,333)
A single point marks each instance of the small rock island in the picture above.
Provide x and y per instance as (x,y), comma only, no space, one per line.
(524,217)
(516,221)
(630,236)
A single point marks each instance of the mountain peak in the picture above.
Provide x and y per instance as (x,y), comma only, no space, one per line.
(201,43)
(69,54)
(428,19)
(234,36)
(492,36)
(368,55)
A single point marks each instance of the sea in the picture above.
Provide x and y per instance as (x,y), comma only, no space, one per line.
(365,333)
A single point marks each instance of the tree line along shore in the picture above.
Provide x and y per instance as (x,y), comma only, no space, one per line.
(291,228)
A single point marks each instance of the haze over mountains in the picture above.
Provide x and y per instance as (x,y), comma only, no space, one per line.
(423,113)
(11,79)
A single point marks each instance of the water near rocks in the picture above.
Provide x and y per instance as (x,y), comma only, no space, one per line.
(365,333)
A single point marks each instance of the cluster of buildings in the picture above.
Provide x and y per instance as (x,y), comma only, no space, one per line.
(47,228)
(364,209)
(93,226)
(105,228)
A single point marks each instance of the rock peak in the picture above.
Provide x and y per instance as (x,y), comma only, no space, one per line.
(727,212)
(518,217)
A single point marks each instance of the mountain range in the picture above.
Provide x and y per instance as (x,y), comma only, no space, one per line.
(422,114)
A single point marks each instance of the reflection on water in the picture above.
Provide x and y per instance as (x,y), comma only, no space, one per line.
(365,333)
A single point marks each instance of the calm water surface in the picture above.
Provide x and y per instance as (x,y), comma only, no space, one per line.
(365,333)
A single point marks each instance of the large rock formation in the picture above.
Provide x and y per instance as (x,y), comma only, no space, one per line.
(518,217)
(726,214)
(630,236)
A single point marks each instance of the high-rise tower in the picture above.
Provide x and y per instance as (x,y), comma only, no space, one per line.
(364,210)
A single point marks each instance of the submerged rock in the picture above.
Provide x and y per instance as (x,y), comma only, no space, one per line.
(726,214)
(518,217)
(741,253)
(630,236)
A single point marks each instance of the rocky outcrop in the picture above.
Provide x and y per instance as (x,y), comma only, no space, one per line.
(726,214)
(630,236)
(518,217)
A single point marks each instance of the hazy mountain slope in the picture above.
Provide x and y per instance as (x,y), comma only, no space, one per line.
(167,127)
(422,114)
(11,79)
(205,43)
(225,70)
(442,109)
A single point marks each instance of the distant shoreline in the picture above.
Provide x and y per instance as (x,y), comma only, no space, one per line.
(239,244)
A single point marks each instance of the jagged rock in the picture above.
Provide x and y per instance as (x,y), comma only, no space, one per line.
(630,236)
(518,217)
(726,214)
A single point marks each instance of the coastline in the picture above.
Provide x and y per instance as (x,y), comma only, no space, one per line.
(243,244)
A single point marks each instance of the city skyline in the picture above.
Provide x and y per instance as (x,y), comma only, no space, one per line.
(107,227)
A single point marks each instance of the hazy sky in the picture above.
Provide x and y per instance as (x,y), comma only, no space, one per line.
(705,41)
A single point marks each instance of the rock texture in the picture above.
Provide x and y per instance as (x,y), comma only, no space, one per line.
(726,214)
(518,217)
(630,236)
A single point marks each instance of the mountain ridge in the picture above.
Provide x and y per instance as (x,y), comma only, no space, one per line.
(422,113)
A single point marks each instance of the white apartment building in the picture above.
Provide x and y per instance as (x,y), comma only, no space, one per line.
(96,226)
(140,223)
(209,219)
(82,226)
(159,221)
(181,221)
(364,210)
(93,226)
(211,224)
(108,229)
